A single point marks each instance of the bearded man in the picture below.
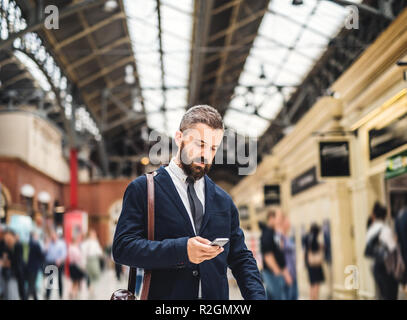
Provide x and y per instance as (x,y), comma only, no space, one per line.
(190,212)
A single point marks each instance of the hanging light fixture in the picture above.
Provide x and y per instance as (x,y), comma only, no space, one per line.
(44,197)
(27,190)
(129,77)
(110,6)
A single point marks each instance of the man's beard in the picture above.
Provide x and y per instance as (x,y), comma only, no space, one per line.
(191,169)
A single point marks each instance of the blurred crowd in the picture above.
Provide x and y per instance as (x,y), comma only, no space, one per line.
(32,270)
(386,247)
(38,268)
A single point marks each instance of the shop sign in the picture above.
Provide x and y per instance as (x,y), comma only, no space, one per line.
(396,165)
(388,138)
(334,159)
(243,212)
(304,181)
(271,194)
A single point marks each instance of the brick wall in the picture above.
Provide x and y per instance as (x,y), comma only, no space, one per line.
(96,198)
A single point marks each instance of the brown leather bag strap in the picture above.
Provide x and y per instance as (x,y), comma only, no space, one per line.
(150,230)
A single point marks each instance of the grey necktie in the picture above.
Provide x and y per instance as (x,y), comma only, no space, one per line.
(196,205)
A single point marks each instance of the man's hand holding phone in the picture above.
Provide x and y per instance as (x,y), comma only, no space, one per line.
(200,249)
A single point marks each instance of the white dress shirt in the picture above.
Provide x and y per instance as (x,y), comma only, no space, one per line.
(179,178)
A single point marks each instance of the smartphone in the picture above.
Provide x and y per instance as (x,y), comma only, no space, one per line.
(219,242)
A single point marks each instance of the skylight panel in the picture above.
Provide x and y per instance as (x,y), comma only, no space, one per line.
(176,98)
(289,42)
(271,106)
(172,72)
(299,13)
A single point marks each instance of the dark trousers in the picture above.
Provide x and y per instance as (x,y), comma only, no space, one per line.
(32,290)
(118,269)
(292,291)
(387,285)
(61,269)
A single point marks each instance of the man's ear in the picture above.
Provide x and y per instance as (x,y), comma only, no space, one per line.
(178,138)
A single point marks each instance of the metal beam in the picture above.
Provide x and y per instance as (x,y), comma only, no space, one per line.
(97,93)
(92,43)
(116,111)
(56,91)
(202,18)
(98,52)
(225,6)
(121,105)
(293,20)
(91,29)
(73,78)
(369,9)
(18,77)
(69,10)
(160,50)
(237,25)
(294,108)
(239,45)
(103,157)
(7,61)
(125,27)
(229,35)
(123,120)
(104,71)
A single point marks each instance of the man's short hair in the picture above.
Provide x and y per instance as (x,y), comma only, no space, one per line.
(201,114)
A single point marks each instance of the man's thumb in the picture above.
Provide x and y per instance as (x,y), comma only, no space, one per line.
(202,240)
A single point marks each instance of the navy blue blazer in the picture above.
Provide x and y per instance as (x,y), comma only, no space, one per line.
(173,275)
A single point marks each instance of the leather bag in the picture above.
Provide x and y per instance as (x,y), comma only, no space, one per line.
(123,294)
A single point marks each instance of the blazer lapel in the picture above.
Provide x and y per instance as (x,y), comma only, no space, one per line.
(164,180)
(209,194)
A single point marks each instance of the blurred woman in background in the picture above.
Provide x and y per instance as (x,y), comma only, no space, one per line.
(313,261)
(76,268)
(93,254)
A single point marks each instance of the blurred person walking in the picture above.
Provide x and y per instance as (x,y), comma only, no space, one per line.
(56,253)
(290,258)
(35,263)
(401,232)
(380,240)
(313,260)
(76,267)
(13,267)
(93,254)
(275,273)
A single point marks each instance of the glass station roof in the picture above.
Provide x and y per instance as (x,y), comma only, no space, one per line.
(291,39)
(164,108)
